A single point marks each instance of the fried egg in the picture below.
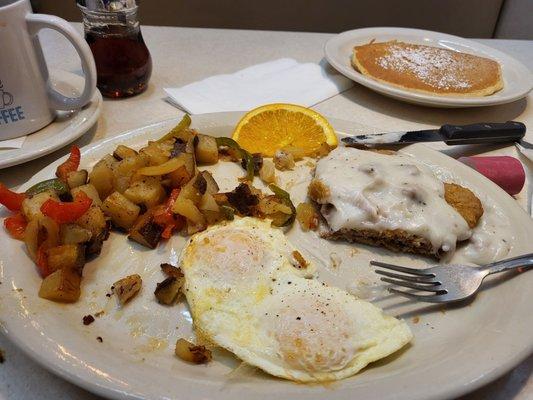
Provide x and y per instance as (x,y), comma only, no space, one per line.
(249,295)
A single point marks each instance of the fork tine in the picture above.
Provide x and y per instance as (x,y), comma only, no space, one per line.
(418,279)
(425,288)
(432,298)
(419,272)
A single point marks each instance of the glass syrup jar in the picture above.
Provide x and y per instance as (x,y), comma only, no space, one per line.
(112,30)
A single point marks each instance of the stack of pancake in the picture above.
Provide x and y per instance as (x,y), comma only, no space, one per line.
(428,69)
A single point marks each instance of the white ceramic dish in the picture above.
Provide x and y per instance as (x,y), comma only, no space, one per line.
(67,127)
(454,351)
(518,80)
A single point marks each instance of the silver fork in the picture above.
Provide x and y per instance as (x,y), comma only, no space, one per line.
(445,283)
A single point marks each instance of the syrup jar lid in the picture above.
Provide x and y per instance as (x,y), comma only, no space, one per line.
(108,5)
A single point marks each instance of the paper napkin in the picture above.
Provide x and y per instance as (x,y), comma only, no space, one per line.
(280,81)
(12,143)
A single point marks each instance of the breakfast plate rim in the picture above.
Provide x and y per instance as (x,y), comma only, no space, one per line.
(338,58)
(95,383)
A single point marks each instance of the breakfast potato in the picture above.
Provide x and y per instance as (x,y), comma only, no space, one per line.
(169,291)
(211,184)
(40,233)
(185,172)
(185,207)
(283,160)
(272,207)
(145,231)
(190,352)
(122,152)
(66,256)
(307,216)
(93,220)
(156,153)
(102,177)
(74,234)
(31,207)
(77,178)
(90,191)
(194,189)
(127,288)
(147,191)
(206,150)
(62,286)
(124,170)
(267,172)
(122,211)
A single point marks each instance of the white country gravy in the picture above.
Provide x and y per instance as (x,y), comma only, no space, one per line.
(369,190)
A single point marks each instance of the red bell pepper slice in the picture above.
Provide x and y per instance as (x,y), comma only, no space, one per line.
(63,213)
(71,165)
(11,200)
(16,226)
(166,218)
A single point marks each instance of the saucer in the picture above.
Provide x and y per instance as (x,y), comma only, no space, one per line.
(66,127)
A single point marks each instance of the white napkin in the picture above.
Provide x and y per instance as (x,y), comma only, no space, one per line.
(280,81)
(12,143)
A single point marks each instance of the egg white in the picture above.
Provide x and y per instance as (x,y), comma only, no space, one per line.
(247,295)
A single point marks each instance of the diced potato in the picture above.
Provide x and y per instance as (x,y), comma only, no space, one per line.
(272,207)
(208,203)
(155,153)
(187,208)
(194,189)
(124,170)
(169,291)
(267,172)
(212,185)
(183,174)
(283,160)
(127,288)
(74,234)
(122,211)
(90,191)
(31,207)
(206,150)
(77,178)
(39,232)
(147,191)
(190,352)
(102,177)
(122,152)
(307,216)
(62,285)
(170,270)
(67,256)
(93,220)
(145,231)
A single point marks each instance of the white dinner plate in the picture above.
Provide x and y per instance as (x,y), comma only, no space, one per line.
(67,127)
(455,349)
(518,80)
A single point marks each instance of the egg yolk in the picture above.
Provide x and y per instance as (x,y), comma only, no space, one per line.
(313,334)
(229,258)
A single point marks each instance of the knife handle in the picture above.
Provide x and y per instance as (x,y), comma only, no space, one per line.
(510,131)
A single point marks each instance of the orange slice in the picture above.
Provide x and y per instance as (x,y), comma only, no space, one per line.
(284,126)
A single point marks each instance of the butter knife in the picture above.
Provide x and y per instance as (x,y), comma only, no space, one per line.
(482,133)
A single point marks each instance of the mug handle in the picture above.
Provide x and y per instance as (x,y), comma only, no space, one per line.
(36,22)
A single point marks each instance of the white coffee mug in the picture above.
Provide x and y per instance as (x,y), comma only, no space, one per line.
(27,99)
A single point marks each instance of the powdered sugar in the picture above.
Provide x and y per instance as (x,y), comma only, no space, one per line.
(433,66)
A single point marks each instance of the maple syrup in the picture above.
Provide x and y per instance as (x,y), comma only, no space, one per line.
(123,62)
